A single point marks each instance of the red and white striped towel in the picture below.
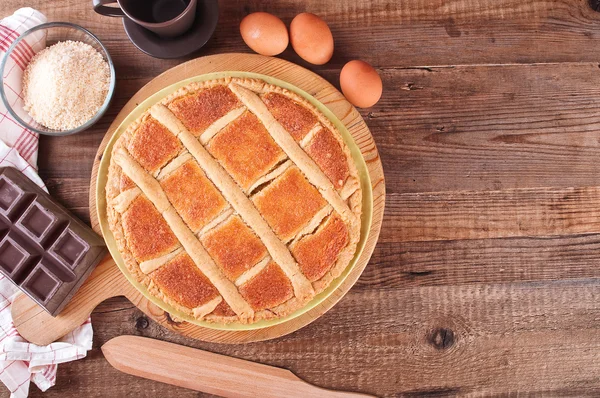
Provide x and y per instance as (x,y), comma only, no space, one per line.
(13,134)
(20,361)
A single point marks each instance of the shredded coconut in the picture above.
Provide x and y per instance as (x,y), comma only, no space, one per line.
(65,85)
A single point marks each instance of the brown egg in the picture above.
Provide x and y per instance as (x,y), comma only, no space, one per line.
(361,84)
(311,38)
(264,33)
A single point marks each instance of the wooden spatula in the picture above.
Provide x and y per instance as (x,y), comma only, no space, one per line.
(204,371)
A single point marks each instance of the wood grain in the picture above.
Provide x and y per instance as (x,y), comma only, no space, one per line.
(478,96)
(492,127)
(388,33)
(492,214)
(524,259)
(483,339)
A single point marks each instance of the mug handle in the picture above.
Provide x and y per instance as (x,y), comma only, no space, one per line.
(102,9)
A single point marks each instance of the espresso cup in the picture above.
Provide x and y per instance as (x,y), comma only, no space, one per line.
(166,18)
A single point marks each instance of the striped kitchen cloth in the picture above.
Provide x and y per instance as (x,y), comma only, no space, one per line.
(12,133)
(20,361)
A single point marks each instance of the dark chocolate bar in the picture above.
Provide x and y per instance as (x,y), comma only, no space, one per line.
(44,249)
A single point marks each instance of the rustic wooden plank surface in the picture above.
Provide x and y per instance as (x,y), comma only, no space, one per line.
(485,280)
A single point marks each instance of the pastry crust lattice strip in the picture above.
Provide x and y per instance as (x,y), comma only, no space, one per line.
(238,200)
(152,189)
(220,124)
(296,154)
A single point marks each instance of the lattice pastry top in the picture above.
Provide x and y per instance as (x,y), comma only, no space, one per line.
(234,200)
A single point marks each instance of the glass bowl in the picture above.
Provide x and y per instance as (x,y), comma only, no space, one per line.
(21,52)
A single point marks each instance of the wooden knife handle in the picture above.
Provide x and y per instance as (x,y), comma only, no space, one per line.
(208,372)
(39,327)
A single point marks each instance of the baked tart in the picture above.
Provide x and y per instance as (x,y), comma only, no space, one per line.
(234,200)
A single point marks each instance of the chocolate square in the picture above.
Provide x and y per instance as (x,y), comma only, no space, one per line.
(36,221)
(69,248)
(10,193)
(41,284)
(13,258)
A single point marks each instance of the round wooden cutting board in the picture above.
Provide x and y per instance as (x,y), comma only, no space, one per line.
(108,281)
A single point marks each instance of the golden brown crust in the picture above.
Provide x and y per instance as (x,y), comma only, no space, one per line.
(317,253)
(267,289)
(288,203)
(199,110)
(223,310)
(193,195)
(146,231)
(295,118)
(264,285)
(181,280)
(152,145)
(328,154)
(246,150)
(234,247)
(126,183)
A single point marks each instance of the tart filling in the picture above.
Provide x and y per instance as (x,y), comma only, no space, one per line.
(234,200)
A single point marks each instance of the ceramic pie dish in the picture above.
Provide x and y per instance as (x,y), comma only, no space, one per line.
(235,201)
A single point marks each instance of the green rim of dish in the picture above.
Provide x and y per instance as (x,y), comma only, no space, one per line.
(367,200)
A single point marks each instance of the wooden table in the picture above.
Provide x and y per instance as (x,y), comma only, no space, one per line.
(486,276)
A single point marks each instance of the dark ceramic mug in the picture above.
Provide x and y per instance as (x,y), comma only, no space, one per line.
(166,18)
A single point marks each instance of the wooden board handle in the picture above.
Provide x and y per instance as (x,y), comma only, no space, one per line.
(41,328)
(208,372)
